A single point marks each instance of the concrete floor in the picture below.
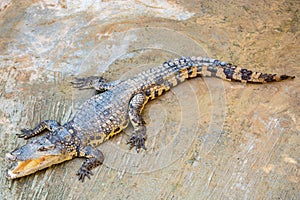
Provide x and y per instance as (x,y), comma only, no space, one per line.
(208,139)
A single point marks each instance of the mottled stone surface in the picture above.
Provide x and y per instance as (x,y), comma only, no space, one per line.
(208,139)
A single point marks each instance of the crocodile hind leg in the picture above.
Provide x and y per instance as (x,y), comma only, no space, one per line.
(50,125)
(96,82)
(94,158)
(138,136)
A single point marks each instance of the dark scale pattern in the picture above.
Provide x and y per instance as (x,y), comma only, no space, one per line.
(267,77)
(156,93)
(213,70)
(246,74)
(147,93)
(216,63)
(228,71)
(107,131)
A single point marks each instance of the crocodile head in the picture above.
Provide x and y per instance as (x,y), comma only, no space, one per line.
(40,153)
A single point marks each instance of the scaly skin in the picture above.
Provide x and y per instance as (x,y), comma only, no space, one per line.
(106,114)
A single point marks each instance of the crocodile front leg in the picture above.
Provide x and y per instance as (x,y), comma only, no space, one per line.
(138,136)
(94,158)
(96,82)
(50,125)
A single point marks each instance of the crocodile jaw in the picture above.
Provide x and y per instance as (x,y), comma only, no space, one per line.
(24,168)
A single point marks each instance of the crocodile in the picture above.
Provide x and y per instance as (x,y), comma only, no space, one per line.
(107,113)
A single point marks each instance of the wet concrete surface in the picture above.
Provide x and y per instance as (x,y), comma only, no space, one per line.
(208,139)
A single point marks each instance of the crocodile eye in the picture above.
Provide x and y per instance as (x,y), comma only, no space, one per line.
(42,149)
(45,148)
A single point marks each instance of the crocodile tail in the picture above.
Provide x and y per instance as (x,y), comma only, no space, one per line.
(233,73)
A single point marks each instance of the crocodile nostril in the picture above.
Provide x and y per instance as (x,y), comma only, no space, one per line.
(9,156)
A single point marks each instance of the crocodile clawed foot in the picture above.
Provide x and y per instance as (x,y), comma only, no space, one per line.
(87,83)
(25,133)
(84,172)
(137,141)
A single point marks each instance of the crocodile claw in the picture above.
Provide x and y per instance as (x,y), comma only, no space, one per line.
(138,141)
(25,133)
(84,172)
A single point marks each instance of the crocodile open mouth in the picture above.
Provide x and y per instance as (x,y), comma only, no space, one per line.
(23,168)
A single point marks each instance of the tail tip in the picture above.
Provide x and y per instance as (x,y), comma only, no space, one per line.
(284,77)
